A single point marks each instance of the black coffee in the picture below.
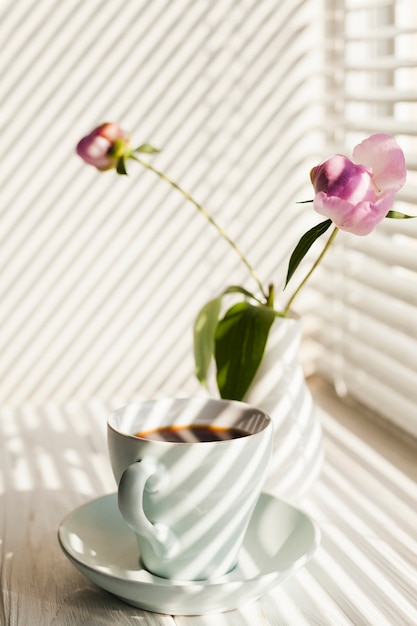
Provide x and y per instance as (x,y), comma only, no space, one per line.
(192,433)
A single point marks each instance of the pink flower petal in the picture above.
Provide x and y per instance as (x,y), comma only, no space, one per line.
(339,176)
(111,131)
(360,218)
(382,154)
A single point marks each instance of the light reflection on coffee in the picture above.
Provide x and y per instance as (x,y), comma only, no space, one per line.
(192,433)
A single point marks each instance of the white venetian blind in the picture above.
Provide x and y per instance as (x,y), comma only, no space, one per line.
(367,288)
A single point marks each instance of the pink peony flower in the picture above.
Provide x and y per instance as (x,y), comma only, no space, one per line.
(104,146)
(357,195)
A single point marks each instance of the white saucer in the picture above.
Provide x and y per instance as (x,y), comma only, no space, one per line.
(280,539)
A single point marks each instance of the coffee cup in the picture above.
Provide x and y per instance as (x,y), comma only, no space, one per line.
(189,474)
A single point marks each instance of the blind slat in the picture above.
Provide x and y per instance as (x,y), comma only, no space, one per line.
(384,64)
(383,33)
(371,95)
(377,125)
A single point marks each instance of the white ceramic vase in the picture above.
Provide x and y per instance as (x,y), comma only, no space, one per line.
(280,389)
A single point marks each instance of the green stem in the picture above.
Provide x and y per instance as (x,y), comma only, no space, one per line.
(208,217)
(271,296)
(316,263)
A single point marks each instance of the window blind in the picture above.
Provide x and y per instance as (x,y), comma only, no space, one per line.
(366,291)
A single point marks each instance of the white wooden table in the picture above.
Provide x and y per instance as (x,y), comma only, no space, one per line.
(53,459)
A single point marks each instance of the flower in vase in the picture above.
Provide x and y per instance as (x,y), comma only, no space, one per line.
(357,195)
(354,195)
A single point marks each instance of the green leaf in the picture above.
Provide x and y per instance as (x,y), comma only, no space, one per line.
(240,341)
(146,148)
(242,290)
(121,167)
(304,246)
(396,215)
(204,329)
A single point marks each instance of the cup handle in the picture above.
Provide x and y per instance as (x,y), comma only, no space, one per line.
(148,475)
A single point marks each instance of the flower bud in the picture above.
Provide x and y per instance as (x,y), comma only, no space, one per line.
(104,146)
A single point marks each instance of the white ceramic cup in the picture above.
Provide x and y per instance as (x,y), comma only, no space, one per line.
(189,503)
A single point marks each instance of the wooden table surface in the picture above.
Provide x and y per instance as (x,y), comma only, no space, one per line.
(54,458)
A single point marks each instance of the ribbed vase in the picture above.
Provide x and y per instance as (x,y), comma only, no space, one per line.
(280,389)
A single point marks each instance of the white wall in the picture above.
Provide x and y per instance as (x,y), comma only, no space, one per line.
(101,277)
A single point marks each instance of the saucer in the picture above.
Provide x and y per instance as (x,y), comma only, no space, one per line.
(280,539)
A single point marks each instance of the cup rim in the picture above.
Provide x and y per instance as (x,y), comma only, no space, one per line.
(267,421)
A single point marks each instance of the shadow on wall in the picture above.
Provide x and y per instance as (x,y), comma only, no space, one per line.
(102,276)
